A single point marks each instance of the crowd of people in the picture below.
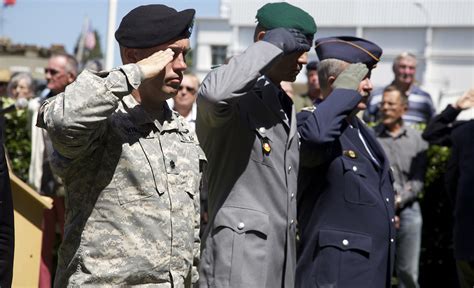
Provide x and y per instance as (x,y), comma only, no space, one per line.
(160,180)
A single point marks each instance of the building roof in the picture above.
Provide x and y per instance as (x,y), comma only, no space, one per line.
(369,13)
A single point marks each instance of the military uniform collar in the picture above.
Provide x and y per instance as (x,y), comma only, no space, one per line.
(381,131)
(142,117)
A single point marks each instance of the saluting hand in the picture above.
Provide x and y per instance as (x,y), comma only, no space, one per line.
(288,40)
(351,77)
(466,100)
(154,64)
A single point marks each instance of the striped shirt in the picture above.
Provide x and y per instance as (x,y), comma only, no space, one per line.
(420,107)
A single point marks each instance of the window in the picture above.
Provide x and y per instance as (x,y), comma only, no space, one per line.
(219,54)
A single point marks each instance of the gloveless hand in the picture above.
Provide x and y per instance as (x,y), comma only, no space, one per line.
(154,64)
(466,100)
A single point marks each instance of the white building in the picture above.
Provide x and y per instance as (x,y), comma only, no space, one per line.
(439,32)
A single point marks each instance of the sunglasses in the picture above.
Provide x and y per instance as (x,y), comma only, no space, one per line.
(190,89)
(51,71)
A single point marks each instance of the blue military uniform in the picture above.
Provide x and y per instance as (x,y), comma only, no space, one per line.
(345,195)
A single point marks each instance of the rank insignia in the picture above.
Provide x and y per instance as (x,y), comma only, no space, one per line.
(350,153)
(266,147)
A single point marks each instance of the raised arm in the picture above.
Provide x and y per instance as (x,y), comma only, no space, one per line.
(321,128)
(223,86)
(76,119)
(439,129)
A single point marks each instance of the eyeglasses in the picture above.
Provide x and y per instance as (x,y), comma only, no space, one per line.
(51,71)
(190,89)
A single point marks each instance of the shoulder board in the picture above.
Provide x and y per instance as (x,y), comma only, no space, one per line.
(309,108)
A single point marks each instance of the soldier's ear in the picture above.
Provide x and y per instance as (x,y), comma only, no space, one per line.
(331,80)
(260,35)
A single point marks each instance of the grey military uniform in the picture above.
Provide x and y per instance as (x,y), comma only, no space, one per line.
(250,240)
(132,186)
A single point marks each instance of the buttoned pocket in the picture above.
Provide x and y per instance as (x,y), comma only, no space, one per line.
(239,238)
(342,259)
(138,174)
(356,173)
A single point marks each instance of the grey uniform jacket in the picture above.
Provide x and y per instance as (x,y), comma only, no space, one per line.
(250,239)
(132,197)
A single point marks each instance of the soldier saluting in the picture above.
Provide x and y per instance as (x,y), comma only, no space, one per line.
(130,164)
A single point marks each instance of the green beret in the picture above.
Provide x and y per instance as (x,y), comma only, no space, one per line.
(284,15)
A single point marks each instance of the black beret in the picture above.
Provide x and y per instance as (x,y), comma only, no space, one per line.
(349,49)
(313,65)
(151,25)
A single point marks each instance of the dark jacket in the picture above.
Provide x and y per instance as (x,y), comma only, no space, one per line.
(7,234)
(444,130)
(460,183)
(345,200)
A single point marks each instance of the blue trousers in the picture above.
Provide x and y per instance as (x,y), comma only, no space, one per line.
(408,246)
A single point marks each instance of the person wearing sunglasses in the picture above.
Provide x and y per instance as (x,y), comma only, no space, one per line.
(185,101)
(61,70)
(130,164)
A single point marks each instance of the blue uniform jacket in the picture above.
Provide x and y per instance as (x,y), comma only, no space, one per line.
(345,200)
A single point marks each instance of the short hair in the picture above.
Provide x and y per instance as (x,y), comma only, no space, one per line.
(393,88)
(329,67)
(258,29)
(72,66)
(194,77)
(312,66)
(16,78)
(403,55)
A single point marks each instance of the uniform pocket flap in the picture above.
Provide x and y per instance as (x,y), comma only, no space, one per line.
(242,220)
(359,168)
(345,240)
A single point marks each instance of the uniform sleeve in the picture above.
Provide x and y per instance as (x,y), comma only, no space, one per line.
(439,129)
(320,129)
(197,218)
(76,119)
(223,86)
(452,172)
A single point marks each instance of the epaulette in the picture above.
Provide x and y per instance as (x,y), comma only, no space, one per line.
(309,109)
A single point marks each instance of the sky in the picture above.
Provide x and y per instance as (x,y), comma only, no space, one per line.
(47,22)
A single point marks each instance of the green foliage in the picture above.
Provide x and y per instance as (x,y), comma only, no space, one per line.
(17,140)
(437,159)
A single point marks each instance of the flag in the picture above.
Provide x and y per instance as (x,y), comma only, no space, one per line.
(89,41)
(7,3)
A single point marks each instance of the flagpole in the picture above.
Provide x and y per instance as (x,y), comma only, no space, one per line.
(80,45)
(109,58)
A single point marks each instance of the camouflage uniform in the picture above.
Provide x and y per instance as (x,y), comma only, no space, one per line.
(132,185)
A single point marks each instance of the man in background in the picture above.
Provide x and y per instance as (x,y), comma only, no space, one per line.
(60,71)
(313,94)
(420,104)
(185,101)
(406,151)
